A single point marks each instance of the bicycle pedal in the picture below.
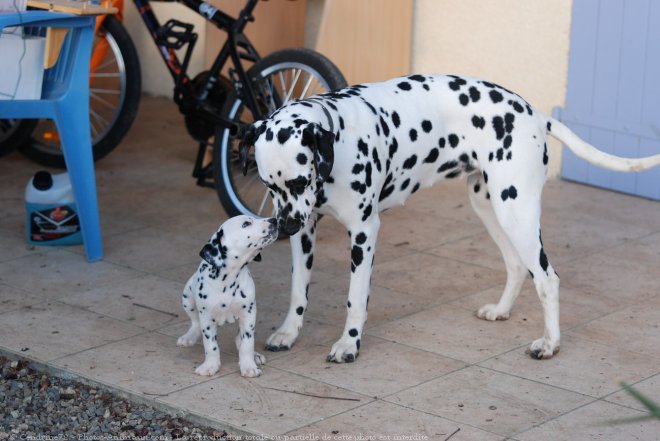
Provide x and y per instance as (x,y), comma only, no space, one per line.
(174,34)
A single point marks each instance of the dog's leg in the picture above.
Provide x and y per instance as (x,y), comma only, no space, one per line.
(209,329)
(515,269)
(247,358)
(302,257)
(363,249)
(518,210)
(188,300)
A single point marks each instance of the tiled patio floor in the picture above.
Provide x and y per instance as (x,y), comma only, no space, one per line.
(428,367)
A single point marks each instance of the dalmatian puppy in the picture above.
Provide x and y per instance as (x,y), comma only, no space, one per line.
(222,290)
(358,151)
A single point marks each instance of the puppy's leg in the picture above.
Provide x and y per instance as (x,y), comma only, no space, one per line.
(209,329)
(363,249)
(518,210)
(188,300)
(302,256)
(247,358)
(516,270)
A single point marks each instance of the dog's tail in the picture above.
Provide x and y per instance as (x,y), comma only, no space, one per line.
(591,154)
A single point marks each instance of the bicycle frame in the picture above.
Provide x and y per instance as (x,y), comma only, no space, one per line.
(235,39)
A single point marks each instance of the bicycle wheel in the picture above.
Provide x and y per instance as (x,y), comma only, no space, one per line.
(14,132)
(289,74)
(114,90)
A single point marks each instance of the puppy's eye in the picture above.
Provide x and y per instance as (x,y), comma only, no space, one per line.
(246,224)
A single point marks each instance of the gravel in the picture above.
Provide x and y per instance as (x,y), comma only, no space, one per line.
(35,404)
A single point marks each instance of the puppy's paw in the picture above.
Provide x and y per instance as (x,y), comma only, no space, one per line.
(492,312)
(208,368)
(259,359)
(345,350)
(543,349)
(282,339)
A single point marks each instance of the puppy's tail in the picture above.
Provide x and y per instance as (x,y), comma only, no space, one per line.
(591,154)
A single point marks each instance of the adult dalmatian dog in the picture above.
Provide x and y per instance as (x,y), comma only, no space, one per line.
(361,150)
(222,290)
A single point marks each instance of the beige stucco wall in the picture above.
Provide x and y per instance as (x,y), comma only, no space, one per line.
(519,44)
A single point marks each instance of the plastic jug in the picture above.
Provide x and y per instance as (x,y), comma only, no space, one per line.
(52,216)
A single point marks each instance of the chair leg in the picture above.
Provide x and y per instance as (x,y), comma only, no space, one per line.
(73,126)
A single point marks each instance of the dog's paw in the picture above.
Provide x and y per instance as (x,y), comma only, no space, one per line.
(249,370)
(344,351)
(491,312)
(186,340)
(281,340)
(208,368)
(259,359)
(542,349)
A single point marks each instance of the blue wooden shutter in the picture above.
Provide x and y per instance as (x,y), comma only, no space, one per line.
(613,97)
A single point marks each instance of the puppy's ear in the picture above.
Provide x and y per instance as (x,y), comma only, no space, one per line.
(209,253)
(321,142)
(257,258)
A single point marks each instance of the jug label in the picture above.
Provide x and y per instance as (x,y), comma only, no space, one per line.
(53,223)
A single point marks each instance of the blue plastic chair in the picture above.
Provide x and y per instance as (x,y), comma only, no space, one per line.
(65,99)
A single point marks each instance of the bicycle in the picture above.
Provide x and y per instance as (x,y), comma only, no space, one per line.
(213,105)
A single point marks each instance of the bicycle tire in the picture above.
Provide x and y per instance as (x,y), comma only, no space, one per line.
(14,133)
(240,194)
(122,50)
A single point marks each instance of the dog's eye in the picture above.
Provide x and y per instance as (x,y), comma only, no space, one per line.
(246,224)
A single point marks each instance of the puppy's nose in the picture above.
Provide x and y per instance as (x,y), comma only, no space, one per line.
(290,226)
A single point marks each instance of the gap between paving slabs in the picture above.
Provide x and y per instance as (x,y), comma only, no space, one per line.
(202,422)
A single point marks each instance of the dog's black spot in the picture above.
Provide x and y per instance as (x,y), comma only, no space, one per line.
(477,187)
(517,107)
(269,135)
(500,154)
(310,262)
(545,154)
(356,257)
(442,142)
(415,188)
(509,118)
(413,135)
(395,119)
(367,212)
(284,134)
(353,332)
(456,84)
(306,243)
(300,310)
(507,141)
(385,192)
(363,147)
(357,169)
(495,96)
(509,156)
(419,78)
(543,260)
(374,154)
(301,158)
(386,128)
(367,171)
(341,123)
(359,187)
(410,162)
(357,342)
(478,121)
(405,184)
(510,192)
(361,238)
(485,177)
(475,95)
(453,140)
(464,99)
(427,126)
(449,165)
(549,126)
(404,85)
(498,125)
(432,156)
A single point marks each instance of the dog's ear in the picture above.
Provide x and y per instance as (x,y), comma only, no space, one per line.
(321,142)
(214,247)
(248,136)
(257,258)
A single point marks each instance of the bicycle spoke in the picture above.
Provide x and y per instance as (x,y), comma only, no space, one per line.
(107,103)
(106,91)
(293,85)
(263,203)
(105,75)
(310,78)
(102,122)
(106,64)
